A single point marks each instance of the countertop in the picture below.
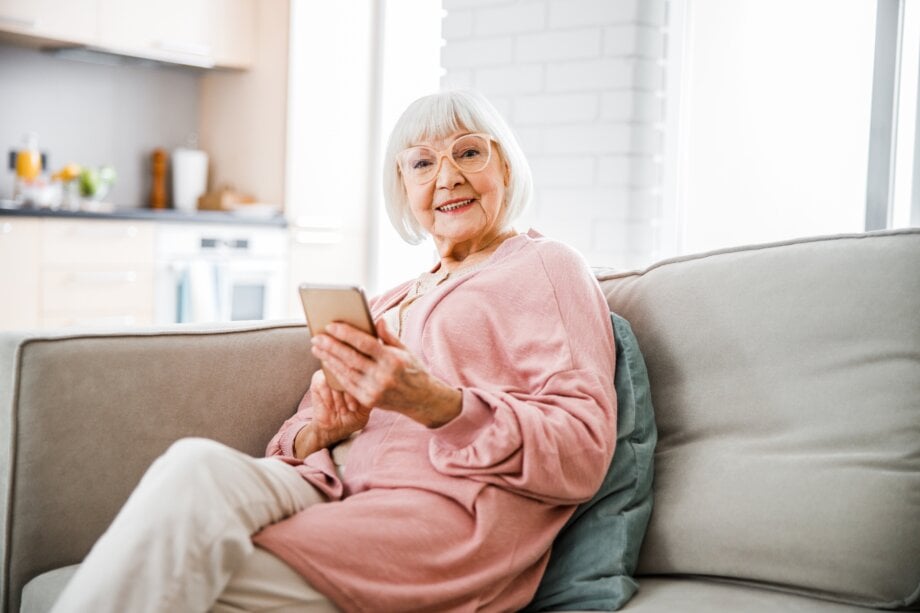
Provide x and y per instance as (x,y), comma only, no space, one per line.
(168,215)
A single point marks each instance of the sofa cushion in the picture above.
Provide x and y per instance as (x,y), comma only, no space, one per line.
(786,380)
(666,595)
(40,594)
(595,554)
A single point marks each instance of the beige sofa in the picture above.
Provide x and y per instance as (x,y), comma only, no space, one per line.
(786,384)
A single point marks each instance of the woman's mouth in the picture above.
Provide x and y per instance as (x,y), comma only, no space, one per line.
(456,205)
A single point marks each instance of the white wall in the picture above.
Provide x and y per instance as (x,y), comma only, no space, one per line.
(95,114)
(244,113)
(581,83)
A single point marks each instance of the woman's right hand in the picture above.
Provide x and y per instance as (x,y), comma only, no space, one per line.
(336,415)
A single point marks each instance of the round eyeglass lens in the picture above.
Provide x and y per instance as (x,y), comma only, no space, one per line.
(471,152)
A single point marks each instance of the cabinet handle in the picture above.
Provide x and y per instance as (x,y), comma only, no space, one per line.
(317,222)
(101,231)
(181,46)
(103,278)
(196,54)
(18,21)
(317,237)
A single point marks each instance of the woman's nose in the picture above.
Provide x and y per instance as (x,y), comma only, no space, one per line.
(448,174)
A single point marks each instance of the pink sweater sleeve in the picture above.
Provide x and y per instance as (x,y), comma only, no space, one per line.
(282,444)
(548,434)
(318,468)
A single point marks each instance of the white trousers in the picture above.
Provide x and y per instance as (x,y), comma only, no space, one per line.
(182,541)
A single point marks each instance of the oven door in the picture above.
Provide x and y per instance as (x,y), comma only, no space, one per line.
(250,289)
(205,290)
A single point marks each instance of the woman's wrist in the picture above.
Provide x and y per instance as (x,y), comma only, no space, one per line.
(309,440)
(446,404)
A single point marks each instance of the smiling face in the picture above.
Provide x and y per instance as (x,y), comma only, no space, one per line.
(459,209)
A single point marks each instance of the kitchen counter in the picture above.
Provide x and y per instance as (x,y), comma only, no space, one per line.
(166,215)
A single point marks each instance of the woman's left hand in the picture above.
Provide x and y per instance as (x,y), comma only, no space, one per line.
(382,373)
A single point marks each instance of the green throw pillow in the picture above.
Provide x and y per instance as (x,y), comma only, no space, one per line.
(595,554)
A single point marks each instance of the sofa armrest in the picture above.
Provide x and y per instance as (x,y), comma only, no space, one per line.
(82,416)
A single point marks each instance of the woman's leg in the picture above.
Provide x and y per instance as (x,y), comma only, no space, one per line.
(185,530)
(265,583)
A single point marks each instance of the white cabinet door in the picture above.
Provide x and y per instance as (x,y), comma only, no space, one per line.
(97,272)
(20,255)
(169,30)
(69,21)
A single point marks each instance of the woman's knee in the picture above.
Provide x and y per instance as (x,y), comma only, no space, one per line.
(190,460)
(196,450)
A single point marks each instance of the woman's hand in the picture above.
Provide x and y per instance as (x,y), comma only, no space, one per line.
(336,415)
(382,373)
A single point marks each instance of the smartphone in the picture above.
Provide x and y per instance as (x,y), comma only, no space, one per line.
(325,304)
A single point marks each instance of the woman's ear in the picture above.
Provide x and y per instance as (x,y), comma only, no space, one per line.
(507,174)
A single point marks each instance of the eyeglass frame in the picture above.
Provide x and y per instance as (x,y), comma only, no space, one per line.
(445,153)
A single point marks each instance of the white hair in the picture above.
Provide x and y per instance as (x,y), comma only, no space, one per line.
(438,116)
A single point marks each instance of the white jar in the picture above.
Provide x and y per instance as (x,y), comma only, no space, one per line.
(189,178)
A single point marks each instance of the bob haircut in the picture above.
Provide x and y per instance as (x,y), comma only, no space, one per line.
(437,116)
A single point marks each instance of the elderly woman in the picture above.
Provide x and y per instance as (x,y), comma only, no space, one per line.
(477,421)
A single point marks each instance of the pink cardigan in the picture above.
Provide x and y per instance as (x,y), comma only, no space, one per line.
(462,517)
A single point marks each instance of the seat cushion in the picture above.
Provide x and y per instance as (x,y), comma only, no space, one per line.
(691,595)
(40,594)
(596,553)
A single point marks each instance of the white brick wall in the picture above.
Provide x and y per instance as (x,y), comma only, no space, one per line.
(580,82)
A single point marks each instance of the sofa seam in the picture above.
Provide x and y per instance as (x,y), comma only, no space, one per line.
(816,593)
(610,276)
(162,334)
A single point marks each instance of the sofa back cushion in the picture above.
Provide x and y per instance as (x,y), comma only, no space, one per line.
(85,413)
(786,380)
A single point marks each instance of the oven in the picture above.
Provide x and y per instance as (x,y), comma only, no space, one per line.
(209,273)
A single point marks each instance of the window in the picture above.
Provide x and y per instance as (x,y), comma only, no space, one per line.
(769,125)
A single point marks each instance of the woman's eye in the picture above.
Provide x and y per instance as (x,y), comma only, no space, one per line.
(420,164)
(469,153)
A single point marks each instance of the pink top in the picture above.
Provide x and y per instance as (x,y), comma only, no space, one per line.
(462,517)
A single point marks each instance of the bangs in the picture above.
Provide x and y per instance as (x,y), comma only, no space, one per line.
(431,119)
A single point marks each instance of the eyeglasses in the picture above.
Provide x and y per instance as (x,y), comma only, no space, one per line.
(468,153)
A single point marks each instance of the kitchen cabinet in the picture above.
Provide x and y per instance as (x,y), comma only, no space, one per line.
(20,252)
(96,273)
(195,32)
(204,33)
(174,29)
(73,21)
